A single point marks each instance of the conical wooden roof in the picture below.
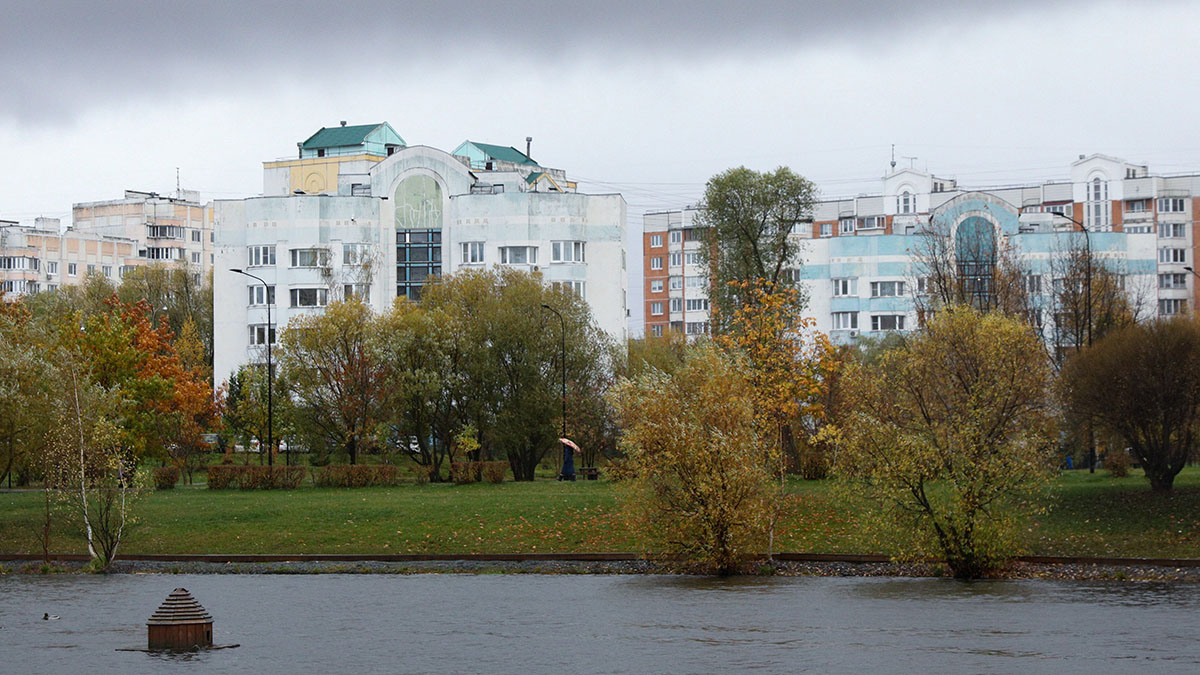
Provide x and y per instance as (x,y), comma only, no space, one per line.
(179,608)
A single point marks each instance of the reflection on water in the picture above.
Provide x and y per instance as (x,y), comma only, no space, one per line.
(520,624)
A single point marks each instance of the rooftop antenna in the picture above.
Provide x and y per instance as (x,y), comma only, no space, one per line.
(911,160)
(178,191)
(893,156)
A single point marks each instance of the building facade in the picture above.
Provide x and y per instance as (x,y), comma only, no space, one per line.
(861,258)
(168,230)
(42,258)
(416,213)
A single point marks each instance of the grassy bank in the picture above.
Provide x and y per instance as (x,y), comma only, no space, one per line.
(1092,514)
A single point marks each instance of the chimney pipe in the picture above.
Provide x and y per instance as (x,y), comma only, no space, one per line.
(343,122)
(528,144)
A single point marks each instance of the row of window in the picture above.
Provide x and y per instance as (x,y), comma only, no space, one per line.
(690,328)
(676,283)
(19,262)
(849,321)
(678,304)
(305,297)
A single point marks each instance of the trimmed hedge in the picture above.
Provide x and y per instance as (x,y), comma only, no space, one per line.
(494,472)
(359,475)
(225,476)
(464,473)
(165,477)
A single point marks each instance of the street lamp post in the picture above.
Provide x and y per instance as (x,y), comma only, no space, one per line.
(562,332)
(269,297)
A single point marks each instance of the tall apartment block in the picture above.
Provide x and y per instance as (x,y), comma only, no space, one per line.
(41,258)
(176,230)
(359,213)
(859,256)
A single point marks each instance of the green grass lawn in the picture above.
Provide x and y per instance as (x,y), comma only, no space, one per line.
(1092,514)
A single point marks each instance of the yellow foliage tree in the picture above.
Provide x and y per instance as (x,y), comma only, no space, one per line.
(953,434)
(699,484)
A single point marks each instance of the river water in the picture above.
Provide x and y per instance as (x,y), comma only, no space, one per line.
(605,624)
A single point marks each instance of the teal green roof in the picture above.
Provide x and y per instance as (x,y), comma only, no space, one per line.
(532,178)
(338,137)
(504,153)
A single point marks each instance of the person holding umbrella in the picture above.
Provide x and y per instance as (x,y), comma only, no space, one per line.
(569,452)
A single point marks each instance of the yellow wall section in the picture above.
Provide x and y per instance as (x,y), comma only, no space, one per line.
(317,174)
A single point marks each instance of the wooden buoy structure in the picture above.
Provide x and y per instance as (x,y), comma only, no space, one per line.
(180,623)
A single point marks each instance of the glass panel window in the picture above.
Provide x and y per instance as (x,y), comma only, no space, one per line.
(656,241)
(695,282)
(1171,307)
(656,263)
(356,291)
(676,236)
(842,287)
(518,255)
(576,287)
(472,252)
(697,304)
(261,255)
(262,295)
(1171,231)
(1170,205)
(309,297)
(691,258)
(676,283)
(51,267)
(887,322)
(697,328)
(846,226)
(656,285)
(826,230)
(676,304)
(872,223)
(310,257)
(567,251)
(259,333)
(1172,255)
(886,289)
(676,260)
(656,309)
(1137,206)
(72,269)
(845,320)
(1172,281)
(355,254)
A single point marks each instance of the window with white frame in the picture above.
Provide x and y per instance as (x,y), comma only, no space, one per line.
(1097,212)
(1172,306)
(676,283)
(576,287)
(1171,205)
(309,297)
(656,309)
(261,295)
(1171,231)
(309,257)
(656,263)
(259,332)
(260,255)
(845,320)
(691,258)
(1139,229)
(356,254)
(676,236)
(872,223)
(906,203)
(72,269)
(1137,206)
(91,268)
(567,251)
(676,304)
(195,258)
(356,292)
(846,226)
(106,270)
(697,328)
(887,289)
(472,252)
(656,330)
(656,285)
(697,304)
(51,267)
(843,287)
(1172,281)
(887,322)
(196,236)
(676,260)
(656,241)
(695,282)
(1033,284)
(1172,255)
(826,230)
(518,255)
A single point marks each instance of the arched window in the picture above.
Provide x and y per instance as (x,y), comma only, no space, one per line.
(1098,210)
(908,202)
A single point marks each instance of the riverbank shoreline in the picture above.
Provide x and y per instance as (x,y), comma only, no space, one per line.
(1078,571)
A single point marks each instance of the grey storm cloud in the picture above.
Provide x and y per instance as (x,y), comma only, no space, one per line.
(61,56)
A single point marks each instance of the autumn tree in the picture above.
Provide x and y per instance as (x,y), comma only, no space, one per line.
(1142,384)
(699,485)
(953,435)
(24,374)
(335,385)
(748,217)
(176,296)
(1080,277)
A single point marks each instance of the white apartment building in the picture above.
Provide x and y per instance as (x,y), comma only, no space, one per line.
(167,229)
(415,213)
(859,261)
(41,258)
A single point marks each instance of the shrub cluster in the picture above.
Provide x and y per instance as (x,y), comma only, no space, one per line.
(1117,461)
(359,475)
(165,477)
(224,476)
(463,473)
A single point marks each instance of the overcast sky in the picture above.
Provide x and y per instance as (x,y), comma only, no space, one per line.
(649,99)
